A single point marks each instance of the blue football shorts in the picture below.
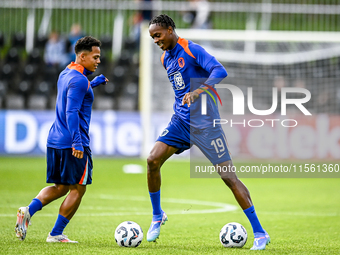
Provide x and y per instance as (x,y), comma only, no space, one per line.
(211,141)
(63,168)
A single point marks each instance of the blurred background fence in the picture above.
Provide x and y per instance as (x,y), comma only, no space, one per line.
(37,39)
(28,73)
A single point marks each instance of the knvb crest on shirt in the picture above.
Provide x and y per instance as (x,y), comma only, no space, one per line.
(181,62)
(177,81)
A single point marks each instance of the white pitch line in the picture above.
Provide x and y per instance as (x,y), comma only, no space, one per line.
(302,214)
(220,207)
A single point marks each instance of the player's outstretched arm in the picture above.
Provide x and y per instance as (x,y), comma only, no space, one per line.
(100,79)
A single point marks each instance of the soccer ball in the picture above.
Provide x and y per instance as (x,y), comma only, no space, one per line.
(128,234)
(233,235)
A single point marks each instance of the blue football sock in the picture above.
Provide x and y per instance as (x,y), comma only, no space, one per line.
(254,221)
(156,202)
(59,225)
(34,206)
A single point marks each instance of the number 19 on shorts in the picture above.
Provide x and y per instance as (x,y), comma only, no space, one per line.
(218,145)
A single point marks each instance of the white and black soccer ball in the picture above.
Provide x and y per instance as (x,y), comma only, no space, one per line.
(233,235)
(128,234)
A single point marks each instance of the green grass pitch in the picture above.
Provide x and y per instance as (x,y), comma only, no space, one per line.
(302,216)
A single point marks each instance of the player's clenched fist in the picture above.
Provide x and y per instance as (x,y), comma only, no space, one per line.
(77,154)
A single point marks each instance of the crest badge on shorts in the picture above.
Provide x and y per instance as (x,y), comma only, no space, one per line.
(164,133)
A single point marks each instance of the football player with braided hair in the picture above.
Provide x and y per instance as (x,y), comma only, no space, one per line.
(183,60)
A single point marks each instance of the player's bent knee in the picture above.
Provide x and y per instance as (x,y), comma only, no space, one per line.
(153,163)
(80,189)
(62,189)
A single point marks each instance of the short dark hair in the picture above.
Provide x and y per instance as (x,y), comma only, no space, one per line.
(86,43)
(163,20)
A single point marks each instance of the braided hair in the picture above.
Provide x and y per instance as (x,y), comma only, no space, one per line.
(163,20)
